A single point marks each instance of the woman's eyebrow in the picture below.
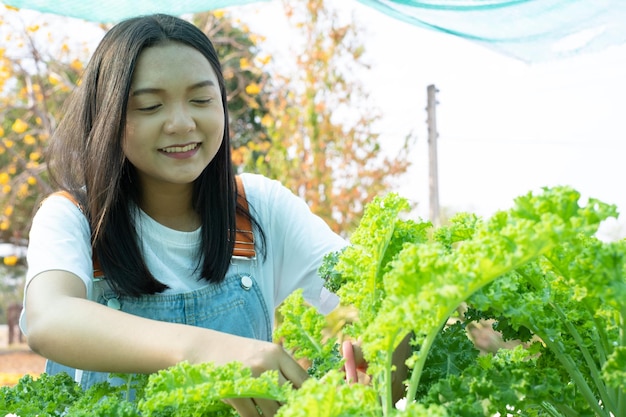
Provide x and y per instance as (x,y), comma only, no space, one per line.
(155,90)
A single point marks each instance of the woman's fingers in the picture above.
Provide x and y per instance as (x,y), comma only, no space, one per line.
(245,407)
(269,356)
(254,407)
(350,365)
(355,366)
(266,407)
(292,371)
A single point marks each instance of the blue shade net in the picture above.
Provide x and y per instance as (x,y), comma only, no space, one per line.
(528,30)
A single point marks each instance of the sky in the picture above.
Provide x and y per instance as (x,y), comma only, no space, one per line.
(505,127)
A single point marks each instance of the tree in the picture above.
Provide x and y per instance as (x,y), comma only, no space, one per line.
(37,73)
(322,139)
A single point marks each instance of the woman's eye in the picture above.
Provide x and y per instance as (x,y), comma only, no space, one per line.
(149,108)
(202,100)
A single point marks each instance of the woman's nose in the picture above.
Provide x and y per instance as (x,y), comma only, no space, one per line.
(179,120)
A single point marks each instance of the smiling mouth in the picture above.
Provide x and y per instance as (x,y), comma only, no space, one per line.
(180,149)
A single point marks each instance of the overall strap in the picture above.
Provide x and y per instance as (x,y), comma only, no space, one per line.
(244,236)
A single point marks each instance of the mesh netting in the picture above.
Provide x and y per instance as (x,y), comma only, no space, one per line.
(529,30)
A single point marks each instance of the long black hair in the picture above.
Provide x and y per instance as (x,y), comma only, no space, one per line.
(85,157)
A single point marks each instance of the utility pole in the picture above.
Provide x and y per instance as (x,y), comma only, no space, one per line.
(433,180)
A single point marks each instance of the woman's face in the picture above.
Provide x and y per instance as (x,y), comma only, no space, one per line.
(175,118)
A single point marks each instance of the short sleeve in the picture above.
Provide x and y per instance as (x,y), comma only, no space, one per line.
(298,240)
(59,239)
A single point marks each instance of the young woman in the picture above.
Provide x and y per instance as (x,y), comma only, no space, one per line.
(138,273)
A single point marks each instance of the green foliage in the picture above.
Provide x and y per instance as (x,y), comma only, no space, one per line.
(452,353)
(331,396)
(536,271)
(302,331)
(46,395)
(199,390)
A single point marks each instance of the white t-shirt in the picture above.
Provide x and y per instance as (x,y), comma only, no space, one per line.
(296,242)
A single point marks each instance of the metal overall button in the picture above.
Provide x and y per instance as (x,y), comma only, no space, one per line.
(246,282)
(114,303)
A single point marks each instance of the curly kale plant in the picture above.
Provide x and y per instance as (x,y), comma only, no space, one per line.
(536,271)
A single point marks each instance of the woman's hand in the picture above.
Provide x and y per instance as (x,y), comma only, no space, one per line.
(355,366)
(261,356)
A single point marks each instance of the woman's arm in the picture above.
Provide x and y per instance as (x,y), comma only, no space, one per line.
(71,330)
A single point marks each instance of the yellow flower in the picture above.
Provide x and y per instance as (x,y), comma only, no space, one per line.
(10,260)
(22,192)
(8,210)
(33,28)
(244,63)
(253,89)
(264,146)
(265,60)
(1,131)
(76,65)
(4,178)
(34,156)
(237,156)
(31,180)
(254,38)
(54,79)
(266,120)
(19,126)
(8,143)
(219,13)
(6,189)
(30,140)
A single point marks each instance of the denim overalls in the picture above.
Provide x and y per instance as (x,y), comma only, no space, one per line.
(235,306)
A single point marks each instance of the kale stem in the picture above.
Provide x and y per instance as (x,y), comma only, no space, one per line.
(421,360)
(621,391)
(607,401)
(602,344)
(565,410)
(550,409)
(129,381)
(571,368)
(387,385)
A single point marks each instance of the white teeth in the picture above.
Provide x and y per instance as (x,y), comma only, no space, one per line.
(175,149)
